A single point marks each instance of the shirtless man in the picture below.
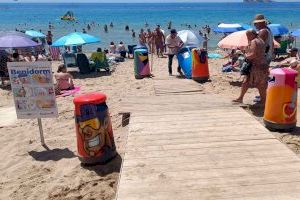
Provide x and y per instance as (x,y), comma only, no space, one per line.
(159,40)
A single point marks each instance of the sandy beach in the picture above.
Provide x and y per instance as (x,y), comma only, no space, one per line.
(29,171)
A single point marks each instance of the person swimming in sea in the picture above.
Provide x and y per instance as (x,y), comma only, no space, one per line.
(111,24)
(170,25)
(105,28)
(88,27)
(126,28)
(133,33)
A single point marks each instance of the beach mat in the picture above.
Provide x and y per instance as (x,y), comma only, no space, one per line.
(65,93)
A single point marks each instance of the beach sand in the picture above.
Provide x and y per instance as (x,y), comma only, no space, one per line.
(29,171)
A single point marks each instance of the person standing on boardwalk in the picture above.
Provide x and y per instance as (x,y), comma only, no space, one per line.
(173,43)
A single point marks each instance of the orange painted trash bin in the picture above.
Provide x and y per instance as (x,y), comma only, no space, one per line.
(200,71)
(281,103)
(95,141)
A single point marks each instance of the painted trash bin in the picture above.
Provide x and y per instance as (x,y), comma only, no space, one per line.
(281,103)
(95,141)
(200,71)
(141,63)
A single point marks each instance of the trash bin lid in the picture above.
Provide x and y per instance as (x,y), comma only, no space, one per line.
(90,98)
(287,72)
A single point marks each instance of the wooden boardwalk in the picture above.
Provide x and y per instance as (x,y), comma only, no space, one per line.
(188,145)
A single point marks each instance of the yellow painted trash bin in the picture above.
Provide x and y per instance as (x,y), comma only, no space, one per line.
(281,103)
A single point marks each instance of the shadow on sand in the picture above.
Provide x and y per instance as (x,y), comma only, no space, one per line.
(110,167)
(236,83)
(77,75)
(51,154)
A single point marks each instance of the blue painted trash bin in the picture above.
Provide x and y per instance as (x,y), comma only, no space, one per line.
(184,57)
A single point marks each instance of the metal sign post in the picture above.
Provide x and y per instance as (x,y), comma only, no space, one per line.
(41,131)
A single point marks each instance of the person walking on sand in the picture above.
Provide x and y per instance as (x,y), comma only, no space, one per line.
(260,23)
(159,40)
(149,39)
(142,38)
(173,43)
(205,41)
(259,72)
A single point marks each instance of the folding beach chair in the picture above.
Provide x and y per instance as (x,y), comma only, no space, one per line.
(69,59)
(55,53)
(100,61)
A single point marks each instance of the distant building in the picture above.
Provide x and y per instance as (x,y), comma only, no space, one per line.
(259,1)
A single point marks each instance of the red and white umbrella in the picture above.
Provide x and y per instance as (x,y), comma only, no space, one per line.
(238,40)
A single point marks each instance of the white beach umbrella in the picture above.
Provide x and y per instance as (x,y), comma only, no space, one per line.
(190,38)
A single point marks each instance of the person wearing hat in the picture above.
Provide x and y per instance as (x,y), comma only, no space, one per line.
(260,23)
(173,43)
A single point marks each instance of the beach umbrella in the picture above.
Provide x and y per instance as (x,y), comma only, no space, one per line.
(278,29)
(15,40)
(74,39)
(296,33)
(228,28)
(35,34)
(190,38)
(238,40)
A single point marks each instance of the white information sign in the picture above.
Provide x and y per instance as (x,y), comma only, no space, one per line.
(33,89)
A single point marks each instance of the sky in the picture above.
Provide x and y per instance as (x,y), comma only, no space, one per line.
(127,1)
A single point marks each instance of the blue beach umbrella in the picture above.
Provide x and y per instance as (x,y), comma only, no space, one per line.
(228,28)
(278,29)
(296,33)
(35,34)
(74,39)
(246,26)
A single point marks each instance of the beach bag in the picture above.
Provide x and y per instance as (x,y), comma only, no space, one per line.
(246,68)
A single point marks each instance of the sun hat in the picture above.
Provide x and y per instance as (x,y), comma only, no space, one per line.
(173,31)
(259,18)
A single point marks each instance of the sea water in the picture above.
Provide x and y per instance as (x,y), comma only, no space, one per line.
(38,16)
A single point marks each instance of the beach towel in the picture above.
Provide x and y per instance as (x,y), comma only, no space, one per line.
(214,55)
(55,53)
(65,93)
